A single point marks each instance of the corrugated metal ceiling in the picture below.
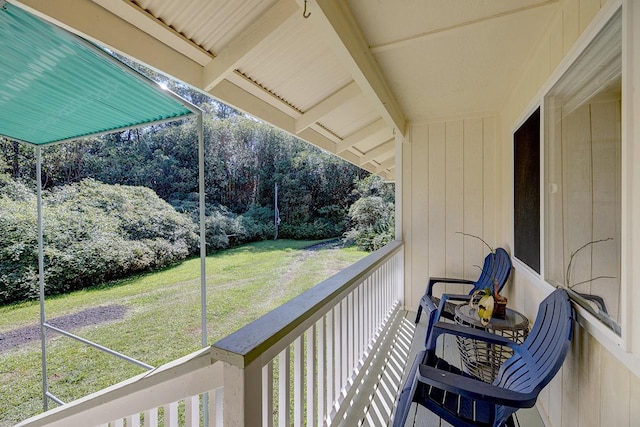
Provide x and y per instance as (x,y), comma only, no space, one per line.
(411,61)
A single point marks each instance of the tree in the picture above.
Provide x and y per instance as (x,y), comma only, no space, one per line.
(372,216)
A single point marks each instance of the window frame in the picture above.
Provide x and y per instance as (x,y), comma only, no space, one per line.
(626,346)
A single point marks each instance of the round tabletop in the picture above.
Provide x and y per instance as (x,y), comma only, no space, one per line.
(513,320)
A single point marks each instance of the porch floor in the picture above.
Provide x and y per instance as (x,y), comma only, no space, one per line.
(375,401)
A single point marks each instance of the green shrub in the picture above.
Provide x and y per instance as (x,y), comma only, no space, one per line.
(257,224)
(372,216)
(92,232)
(221,225)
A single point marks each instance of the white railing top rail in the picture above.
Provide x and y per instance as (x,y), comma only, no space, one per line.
(265,336)
(188,376)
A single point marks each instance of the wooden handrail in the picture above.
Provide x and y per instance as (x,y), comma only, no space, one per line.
(252,341)
(148,390)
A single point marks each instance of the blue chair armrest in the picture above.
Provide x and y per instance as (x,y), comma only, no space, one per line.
(434,280)
(453,297)
(441,328)
(449,297)
(475,389)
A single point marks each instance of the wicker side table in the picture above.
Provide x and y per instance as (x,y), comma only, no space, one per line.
(481,359)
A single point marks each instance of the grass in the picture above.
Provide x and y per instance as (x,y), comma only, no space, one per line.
(162,321)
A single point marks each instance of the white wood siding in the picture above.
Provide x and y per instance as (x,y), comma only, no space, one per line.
(452,189)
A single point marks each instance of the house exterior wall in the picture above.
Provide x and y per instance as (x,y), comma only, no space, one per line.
(598,384)
(450,179)
(457,176)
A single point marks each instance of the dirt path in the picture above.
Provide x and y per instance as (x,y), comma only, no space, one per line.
(90,316)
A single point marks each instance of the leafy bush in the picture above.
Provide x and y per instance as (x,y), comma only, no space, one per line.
(372,216)
(257,224)
(19,249)
(319,229)
(223,228)
(92,232)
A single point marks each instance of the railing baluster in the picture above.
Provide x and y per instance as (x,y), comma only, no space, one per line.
(321,340)
(330,358)
(337,351)
(216,397)
(284,388)
(298,381)
(267,394)
(191,411)
(133,420)
(151,418)
(351,337)
(171,415)
(361,322)
(344,371)
(311,376)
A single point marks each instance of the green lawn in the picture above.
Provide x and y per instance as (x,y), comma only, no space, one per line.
(162,320)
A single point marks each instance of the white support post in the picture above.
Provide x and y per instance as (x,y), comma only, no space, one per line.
(43,332)
(203,253)
(243,395)
(203,239)
(398,187)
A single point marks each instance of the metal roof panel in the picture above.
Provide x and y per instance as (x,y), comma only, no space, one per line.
(55,86)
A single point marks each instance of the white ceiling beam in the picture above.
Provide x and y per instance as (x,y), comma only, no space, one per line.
(457,26)
(143,20)
(326,106)
(366,132)
(93,22)
(251,38)
(255,106)
(387,164)
(337,24)
(380,150)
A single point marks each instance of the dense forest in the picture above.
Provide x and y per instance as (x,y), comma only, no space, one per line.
(128,202)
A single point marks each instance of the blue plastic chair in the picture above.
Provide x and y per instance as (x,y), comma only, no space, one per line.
(463,400)
(497,265)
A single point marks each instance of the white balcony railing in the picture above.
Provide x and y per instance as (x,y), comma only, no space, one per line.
(296,365)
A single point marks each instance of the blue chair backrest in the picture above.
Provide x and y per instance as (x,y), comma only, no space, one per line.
(496,265)
(542,353)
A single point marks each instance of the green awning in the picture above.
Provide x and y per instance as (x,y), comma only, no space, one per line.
(55,86)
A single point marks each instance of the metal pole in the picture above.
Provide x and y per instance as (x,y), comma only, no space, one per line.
(43,333)
(276,214)
(203,255)
(99,347)
(203,241)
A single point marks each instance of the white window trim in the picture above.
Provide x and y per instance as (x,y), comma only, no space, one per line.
(626,348)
